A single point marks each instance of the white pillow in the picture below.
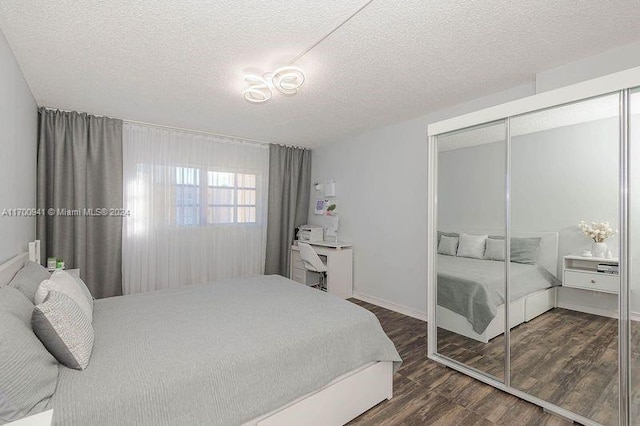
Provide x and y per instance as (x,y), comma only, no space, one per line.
(448,245)
(495,249)
(471,245)
(75,289)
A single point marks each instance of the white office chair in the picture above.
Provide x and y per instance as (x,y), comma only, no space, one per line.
(313,263)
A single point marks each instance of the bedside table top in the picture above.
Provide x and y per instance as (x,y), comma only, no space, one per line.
(591,258)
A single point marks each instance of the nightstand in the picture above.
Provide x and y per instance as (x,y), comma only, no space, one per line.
(582,272)
(72,272)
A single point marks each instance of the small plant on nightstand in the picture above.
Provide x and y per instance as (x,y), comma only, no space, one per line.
(598,232)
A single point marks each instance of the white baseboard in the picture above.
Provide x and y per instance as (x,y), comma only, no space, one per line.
(589,310)
(422,316)
(633,316)
(404,310)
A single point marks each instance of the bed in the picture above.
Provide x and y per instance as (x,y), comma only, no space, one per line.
(471,295)
(255,351)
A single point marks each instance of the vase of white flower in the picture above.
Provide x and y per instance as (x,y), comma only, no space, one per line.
(598,232)
(598,249)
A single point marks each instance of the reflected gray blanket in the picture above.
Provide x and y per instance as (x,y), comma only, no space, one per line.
(215,354)
(474,288)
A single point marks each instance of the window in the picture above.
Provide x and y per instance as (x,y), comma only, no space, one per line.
(187,196)
(223,197)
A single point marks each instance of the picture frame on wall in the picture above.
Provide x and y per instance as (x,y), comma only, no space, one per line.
(321,205)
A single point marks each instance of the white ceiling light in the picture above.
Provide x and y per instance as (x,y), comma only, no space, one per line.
(287,80)
(258,91)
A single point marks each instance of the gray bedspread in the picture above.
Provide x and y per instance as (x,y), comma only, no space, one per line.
(474,288)
(216,354)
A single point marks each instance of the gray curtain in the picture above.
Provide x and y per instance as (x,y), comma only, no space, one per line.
(80,173)
(289,188)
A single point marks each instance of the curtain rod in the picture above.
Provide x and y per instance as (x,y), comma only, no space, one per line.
(181,129)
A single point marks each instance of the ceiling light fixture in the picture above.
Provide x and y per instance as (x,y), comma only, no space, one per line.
(288,79)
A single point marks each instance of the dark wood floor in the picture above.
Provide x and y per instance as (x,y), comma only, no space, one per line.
(427,393)
(566,357)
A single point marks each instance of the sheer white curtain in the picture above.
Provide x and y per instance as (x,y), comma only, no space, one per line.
(198,208)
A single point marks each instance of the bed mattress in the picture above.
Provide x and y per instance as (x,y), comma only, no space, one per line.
(474,288)
(221,353)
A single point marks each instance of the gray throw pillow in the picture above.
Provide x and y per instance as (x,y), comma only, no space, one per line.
(448,245)
(64,329)
(525,250)
(29,278)
(471,246)
(448,234)
(28,372)
(495,249)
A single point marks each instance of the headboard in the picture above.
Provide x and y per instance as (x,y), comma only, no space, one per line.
(547,251)
(10,268)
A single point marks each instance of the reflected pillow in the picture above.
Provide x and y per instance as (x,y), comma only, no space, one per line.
(471,246)
(525,250)
(448,245)
(495,249)
(448,234)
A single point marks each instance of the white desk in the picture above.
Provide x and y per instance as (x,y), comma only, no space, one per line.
(339,267)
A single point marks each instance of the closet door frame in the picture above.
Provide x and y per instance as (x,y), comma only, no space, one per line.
(620,83)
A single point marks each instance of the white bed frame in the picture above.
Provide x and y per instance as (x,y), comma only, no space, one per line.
(337,403)
(340,401)
(521,310)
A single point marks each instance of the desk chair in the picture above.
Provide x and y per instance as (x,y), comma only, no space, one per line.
(313,263)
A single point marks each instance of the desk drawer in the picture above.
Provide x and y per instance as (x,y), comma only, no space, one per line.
(592,281)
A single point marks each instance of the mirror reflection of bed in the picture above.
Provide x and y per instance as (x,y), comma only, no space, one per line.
(562,168)
(471,294)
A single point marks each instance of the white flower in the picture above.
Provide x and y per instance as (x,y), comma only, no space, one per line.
(597,231)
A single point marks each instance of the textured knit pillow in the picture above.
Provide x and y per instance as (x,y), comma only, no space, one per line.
(64,329)
(471,246)
(71,286)
(448,245)
(28,372)
(29,278)
(495,250)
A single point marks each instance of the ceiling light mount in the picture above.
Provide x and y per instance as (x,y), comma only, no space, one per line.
(287,80)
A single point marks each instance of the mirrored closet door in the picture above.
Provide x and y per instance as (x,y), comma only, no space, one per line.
(564,308)
(471,207)
(534,222)
(634,256)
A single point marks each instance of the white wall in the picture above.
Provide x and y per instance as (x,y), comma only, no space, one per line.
(614,60)
(18,135)
(381,188)
(380,180)
(558,177)
(382,203)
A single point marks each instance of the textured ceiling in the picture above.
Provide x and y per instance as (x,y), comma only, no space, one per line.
(180,63)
